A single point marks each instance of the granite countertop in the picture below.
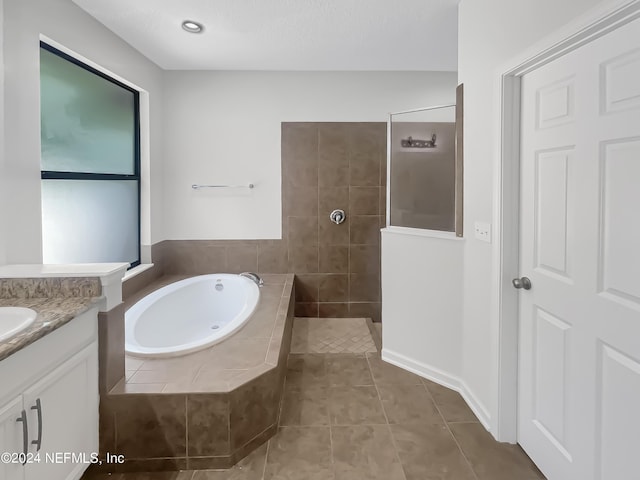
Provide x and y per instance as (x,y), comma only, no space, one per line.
(53,313)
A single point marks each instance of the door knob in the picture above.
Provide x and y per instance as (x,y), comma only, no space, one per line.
(523,282)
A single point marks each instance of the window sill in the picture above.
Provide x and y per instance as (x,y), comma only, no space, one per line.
(143,267)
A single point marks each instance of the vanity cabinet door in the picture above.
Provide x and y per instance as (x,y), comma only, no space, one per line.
(11,440)
(63,418)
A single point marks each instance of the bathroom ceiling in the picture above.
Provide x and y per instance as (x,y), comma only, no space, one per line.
(287,34)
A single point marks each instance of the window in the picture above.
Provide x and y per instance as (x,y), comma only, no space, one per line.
(90,160)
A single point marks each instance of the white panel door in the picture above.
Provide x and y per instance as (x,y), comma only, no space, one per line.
(579,351)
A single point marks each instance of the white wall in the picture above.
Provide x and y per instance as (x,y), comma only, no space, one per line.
(224,127)
(422,326)
(68,25)
(491,32)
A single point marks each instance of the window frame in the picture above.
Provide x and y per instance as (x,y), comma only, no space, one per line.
(60,175)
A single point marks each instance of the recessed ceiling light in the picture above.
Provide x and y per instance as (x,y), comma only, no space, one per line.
(192,27)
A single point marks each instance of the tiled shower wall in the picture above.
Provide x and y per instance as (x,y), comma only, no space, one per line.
(324,166)
(327,166)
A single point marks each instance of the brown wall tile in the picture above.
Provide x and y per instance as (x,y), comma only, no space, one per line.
(365,309)
(364,287)
(300,143)
(303,231)
(307,288)
(331,198)
(365,230)
(106,426)
(273,257)
(351,163)
(364,200)
(301,201)
(333,288)
(334,259)
(303,259)
(303,172)
(364,171)
(333,310)
(196,257)
(254,408)
(306,309)
(111,347)
(333,155)
(364,259)
(208,425)
(331,234)
(151,426)
(242,258)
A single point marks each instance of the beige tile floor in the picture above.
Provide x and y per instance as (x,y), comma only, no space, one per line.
(355,417)
(331,335)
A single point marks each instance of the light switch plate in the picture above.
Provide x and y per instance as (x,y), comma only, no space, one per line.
(483,231)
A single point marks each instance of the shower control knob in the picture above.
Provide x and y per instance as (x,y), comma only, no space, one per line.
(337,216)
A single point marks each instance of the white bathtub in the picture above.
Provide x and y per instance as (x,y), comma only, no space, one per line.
(189,315)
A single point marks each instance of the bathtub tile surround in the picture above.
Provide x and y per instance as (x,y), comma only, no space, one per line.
(208,409)
(151,426)
(254,408)
(208,425)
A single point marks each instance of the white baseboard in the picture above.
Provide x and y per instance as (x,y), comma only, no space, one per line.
(442,378)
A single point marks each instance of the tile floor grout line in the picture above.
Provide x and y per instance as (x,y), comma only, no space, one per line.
(186,429)
(384,412)
(333,463)
(446,424)
(266,454)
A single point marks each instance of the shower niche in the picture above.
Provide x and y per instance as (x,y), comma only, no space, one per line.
(424,168)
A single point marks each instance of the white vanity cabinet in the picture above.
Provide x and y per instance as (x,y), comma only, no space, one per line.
(10,436)
(54,388)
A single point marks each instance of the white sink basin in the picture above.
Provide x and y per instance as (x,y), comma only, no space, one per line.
(13,320)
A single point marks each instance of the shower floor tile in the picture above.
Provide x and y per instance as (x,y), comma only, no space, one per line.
(331,335)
